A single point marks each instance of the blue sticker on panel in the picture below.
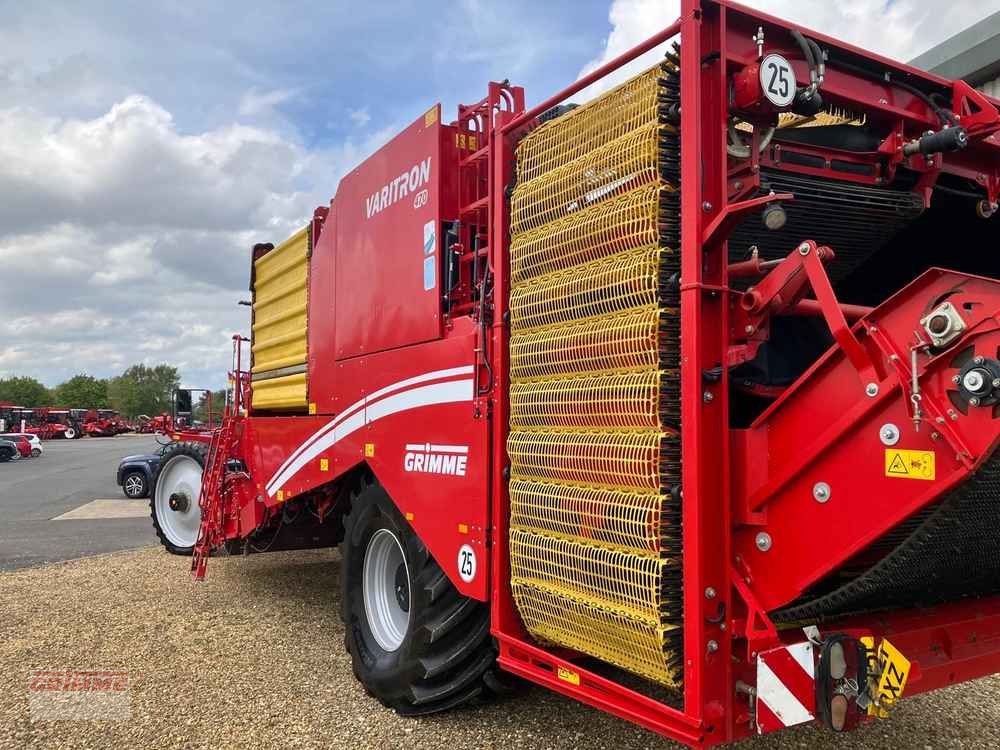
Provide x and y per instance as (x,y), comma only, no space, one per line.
(430,269)
(430,237)
(430,245)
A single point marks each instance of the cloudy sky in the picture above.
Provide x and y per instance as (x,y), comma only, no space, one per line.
(144,147)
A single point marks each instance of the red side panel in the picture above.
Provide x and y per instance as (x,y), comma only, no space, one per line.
(410,415)
(388,216)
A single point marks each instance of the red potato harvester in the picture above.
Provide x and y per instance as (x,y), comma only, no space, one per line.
(683,403)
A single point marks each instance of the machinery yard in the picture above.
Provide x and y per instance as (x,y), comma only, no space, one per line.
(659,410)
(196,654)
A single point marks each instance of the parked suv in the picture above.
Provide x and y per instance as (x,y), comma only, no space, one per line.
(8,450)
(34,443)
(135,473)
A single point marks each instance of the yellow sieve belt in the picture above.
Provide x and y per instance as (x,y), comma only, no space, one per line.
(594,428)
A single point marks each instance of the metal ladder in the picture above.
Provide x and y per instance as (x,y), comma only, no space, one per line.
(212,500)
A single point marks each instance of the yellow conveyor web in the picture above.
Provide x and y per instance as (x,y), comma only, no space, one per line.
(594,441)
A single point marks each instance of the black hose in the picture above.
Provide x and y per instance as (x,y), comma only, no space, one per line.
(946,118)
(820,61)
(807,50)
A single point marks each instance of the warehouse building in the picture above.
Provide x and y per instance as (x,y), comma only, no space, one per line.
(973,55)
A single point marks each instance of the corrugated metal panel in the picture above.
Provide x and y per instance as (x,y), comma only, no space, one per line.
(281,284)
(288,392)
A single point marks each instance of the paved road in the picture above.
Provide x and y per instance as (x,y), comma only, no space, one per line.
(70,473)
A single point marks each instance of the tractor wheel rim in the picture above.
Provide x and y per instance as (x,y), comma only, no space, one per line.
(182,474)
(386,590)
(133,486)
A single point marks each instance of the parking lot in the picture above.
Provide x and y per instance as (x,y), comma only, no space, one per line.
(254,657)
(49,513)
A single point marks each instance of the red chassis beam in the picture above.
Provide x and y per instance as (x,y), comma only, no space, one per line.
(948,644)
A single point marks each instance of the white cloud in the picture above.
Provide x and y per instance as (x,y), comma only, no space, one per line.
(128,241)
(900,29)
(131,166)
(256,103)
(359,117)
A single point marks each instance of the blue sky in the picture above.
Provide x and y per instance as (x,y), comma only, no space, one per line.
(144,147)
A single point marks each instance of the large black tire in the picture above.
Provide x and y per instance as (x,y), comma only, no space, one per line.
(447,656)
(159,496)
(7,453)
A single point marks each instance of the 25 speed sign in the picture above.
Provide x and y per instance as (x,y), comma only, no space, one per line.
(777,79)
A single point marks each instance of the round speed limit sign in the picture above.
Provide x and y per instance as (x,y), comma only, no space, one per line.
(467,563)
(777,79)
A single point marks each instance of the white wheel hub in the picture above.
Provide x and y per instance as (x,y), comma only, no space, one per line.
(386,590)
(175,500)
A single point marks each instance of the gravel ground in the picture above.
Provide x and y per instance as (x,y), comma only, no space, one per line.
(254,658)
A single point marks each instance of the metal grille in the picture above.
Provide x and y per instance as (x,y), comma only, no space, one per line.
(855,220)
(638,339)
(614,168)
(583,130)
(640,521)
(642,646)
(594,444)
(631,401)
(631,460)
(630,279)
(595,232)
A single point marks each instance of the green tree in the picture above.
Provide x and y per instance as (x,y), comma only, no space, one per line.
(200,412)
(143,390)
(83,392)
(24,391)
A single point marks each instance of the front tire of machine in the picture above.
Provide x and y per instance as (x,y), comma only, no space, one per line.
(179,472)
(393,593)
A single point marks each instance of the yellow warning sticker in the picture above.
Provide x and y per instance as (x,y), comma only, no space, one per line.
(902,464)
(431,116)
(324,464)
(369,449)
(568,675)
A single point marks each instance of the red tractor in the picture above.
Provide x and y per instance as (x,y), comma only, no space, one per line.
(10,417)
(160,423)
(50,422)
(103,423)
(684,403)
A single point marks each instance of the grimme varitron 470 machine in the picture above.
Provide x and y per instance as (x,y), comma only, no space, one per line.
(683,402)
